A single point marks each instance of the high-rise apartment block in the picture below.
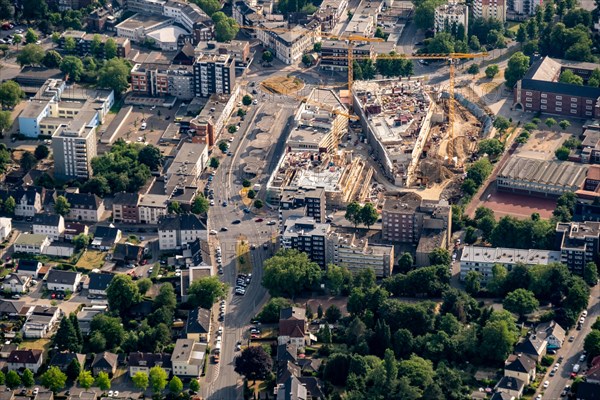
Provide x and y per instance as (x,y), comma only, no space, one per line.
(214,74)
(74,146)
(490,9)
(450,16)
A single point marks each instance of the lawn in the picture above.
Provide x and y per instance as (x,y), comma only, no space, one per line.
(39,344)
(90,260)
(243,259)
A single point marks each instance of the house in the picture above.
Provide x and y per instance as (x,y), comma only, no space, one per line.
(11,309)
(125,207)
(85,316)
(292,326)
(105,362)
(62,280)
(5,228)
(16,283)
(105,237)
(588,391)
(176,230)
(31,359)
(31,243)
(188,358)
(40,322)
(126,253)
(198,325)
(29,267)
(290,384)
(533,347)
(593,374)
(98,283)
(73,229)
(500,396)
(287,352)
(6,349)
(85,207)
(50,225)
(520,367)
(553,333)
(511,386)
(190,275)
(28,201)
(63,359)
(310,366)
(142,362)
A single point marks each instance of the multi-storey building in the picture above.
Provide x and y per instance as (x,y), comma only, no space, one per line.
(73,147)
(214,74)
(290,46)
(146,6)
(306,235)
(398,219)
(160,80)
(356,254)
(451,15)
(174,231)
(579,244)
(151,207)
(85,42)
(330,12)
(211,120)
(307,203)
(188,358)
(334,54)
(125,207)
(186,14)
(490,9)
(526,7)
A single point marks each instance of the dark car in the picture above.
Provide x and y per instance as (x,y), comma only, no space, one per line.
(236,222)
(168,117)
(224,229)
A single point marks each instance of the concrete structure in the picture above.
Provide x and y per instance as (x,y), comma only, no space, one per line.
(49,225)
(73,147)
(137,27)
(239,50)
(334,54)
(579,244)
(85,42)
(483,259)
(356,254)
(31,243)
(292,326)
(545,178)
(188,358)
(166,38)
(125,207)
(209,124)
(174,231)
(449,16)
(304,234)
(29,267)
(158,80)
(214,74)
(146,6)
(526,7)
(552,333)
(85,207)
(14,283)
(304,203)
(97,283)
(329,13)
(490,9)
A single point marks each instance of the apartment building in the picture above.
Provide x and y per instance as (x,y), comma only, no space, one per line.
(151,207)
(188,358)
(174,231)
(398,219)
(73,148)
(356,254)
(490,9)
(125,207)
(85,42)
(527,7)
(146,6)
(211,120)
(579,244)
(334,54)
(290,46)
(186,14)
(306,203)
(214,74)
(329,13)
(160,80)
(451,15)
(306,235)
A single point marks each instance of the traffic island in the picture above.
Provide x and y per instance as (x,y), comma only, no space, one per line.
(243,260)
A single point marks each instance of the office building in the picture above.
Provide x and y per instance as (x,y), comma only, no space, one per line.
(334,54)
(306,235)
(73,148)
(214,74)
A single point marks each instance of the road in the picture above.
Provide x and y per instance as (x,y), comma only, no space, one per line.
(572,351)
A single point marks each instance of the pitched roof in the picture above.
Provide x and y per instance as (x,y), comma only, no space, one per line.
(184,222)
(519,364)
(84,200)
(198,321)
(28,265)
(126,199)
(105,360)
(31,239)
(287,352)
(63,359)
(593,373)
(566,89)
(46,219)
(501,396)
(292,313)
(17,279)
(532,345)
(313,386)
(25,356)
(106,232)
(127,251)
(62,277)
(99,281)
(149,360)
(11,307)
(287,369)
(551,328)
(74,228)
(588,391)
(30,194)
(510,383)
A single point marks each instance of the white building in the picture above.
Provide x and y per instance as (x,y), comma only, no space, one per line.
(137,27)
(527,7)
(188,358)
(62,280)
(41,321)
(73,147)
(451,14)
(345,250)
(31,243)
(151,207)
(290,46)
(16,283)
(5,228)
(483,259)
(490,9)
(176,230)
(50,225)
(26,358)
(186,14)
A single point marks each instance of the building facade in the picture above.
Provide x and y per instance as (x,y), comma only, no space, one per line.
(346,250)
(490,9)
(73,148)
(579,243)
(306,235)
(214,74)
(450,16)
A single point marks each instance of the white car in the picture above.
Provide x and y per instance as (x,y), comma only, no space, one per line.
(110,393)
(581,320)
(218,248)
(546,384)
(116,393)
(255,102)
(212,202)
(582,358)
(584,314)
(213,232)
(230,139)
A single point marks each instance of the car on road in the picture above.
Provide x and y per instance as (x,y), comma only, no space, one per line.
(255,102)
(582,358)
(110,393)
(546,384)
(538,397)
(16,296)
(116,393)
(236,222)
(560,359)
(213,232)
(36,391)
(258,220)
(271,222)
(229,153)
(224,204)
(230,139)
(212,202)
(238,347)
(584,314)
(220,271)
(240,291)
(581,320)
(571,338)
(566,390)
(246,210)
(576,368)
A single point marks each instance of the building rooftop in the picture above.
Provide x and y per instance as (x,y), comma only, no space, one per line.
(188,351)
(30,239)
(168,34)
(304,226)
(142,20)
(566,174)
(504,255)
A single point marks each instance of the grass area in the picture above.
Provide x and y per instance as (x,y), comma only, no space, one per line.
(513,27)
(90,260)
(133,239)
(243,260)
(39,344)
(244,195)
(155,271)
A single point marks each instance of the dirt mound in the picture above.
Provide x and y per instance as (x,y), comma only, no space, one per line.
(463,147)
(434,171)
(282,85)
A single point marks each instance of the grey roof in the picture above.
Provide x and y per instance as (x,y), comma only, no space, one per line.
(28,265)
(46,219)
(149,360)
(510,383)
(20,279)
(198,321)
(561,88)
(532,345)
(501,396)
(62,277)
(106,232)
(128,199)
(11,307)
(588,391)
(63,359)
(86,201)
(180,222)
(519,364)
(99,281)
(292,312)
(30,194)
(287,352)
(548,172)
(551,328)
(105,360)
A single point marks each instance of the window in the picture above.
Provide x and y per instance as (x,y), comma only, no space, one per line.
(528,99)
(588,101)
(528,105)
(573,111)
(573,105)
(544,101)
(544,95)
(558,108)
(543,107)
(558,97)
(588,107)
(559,103)
(574,99)
(528,93)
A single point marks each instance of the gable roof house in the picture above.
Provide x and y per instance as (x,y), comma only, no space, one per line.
(198,325)
(51,225)
(98,283)
(553,333)
(142,362)
(105,362)
(64,358)
(16,283)
(73,229)
(292,326)
(41,321)
(127,253)
(287,352)
(291,384)
(31,243)
(176,230)
(28,267)
(11,309)
(85,207)
(520,367)
(533,346)
(28,200)
(511,386)
(31,359)
(62,280)
(105,237)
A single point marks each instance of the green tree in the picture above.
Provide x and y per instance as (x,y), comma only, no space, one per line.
(30,36)
(53,379)
(122,293)
(592,344)
(564,124)
(5,121)
(81,241)
(205,292)
(140,380)
(62,206)
(569,77)
(246,183)
(290,272)
(497,340)
(10,94)
(470,235)
(317,47)
(70,45)
(28,161)
(479,171)
(493,147)
(2,378)
(214,162)
(52,59)
(405,263)
(17,39)
(157,379)
(562,153)
(194,385)
(66,337)
(251,194)
(151,157)
(175,385)
(31,54)
(550,122)
(85,379)
(522,34)
(9,205)
(425,13)
(368,215)
(270,312)
(516,68)
(110,49)
(247,100)
(440,256)
(590,274)
(223,146)
(306,60)
(109,328)
(353,213)
(492,71)
(254,363)
(144,285)
(473,69)
(501,123)
(103,381)
(495,284)
(267,56)
(336,277)
(73,67)
(333,314)
(41,152)
(258,204)
(27,378)
(226,28)
(473,282)
(73,370)
(114,74)
(13,380)
(174,208)
(200,205)
(520,302)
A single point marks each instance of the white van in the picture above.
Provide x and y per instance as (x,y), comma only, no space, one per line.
(576,368)
(143,126)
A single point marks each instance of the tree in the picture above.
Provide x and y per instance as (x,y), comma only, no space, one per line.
(550,122)
(52,59)
(122,293)
(27,378)
(317,47)
(492,71)
(66,337)
(28,161)
(110,49)
(333,314)
(175,385)
(81,241)
(562,153)
(473,282)
(336,277)
(214,162)
(267,56)
(108,328)
(479,171)
(516,68)
(200,205)
(9,205)
(6,8)
(521,302)
(150,156)
(246,183)
(30,36)
(53,379)
(473,69)
(258,204)
(31,54)
(592,344)
(290,272)
(251,194)
(2,378)
(157,379)
(493,147)
(569,77)
(564,124)
(140,380)
(13,380)
(425,12)
(223,146)
(194,385)
(405,263)
(85,379)
(205,292)
(144,285)
(440,256)
(501,123)
(226,28)
(368,215)
(306,60)
(232,129)
(41,152)
(114,74)
(247,100)
(270,312)
(103,381)
(73,369)
(17,39)
(5,121)
(497,340)
(590,274)
(174,208)
(522,34)
(10,94)
(254,363)
(73,67)
(62,206)
(69,45)
(353,211)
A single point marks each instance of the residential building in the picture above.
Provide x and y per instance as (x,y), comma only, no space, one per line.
(188,276)
(330,12)
(96,20)
(50,225)
(289,46)
(128,253)
(188,358)
(105,237)
(105,362)
(579,244)
(511,386)
(587,391)
(125,207)
(16,283)
(311,203)
(482,259)
(85,42)
(29,267)
(292,326)
(533,346)
(520,367)
(146,6)
(31,243)
(41,321)
(356,254)
(593,374)
(160,80)
(6,349)
(238,49)
(526,7)
(63,359)
(490,9)
(306,235)
(151,207)
(449,16)
(174,231)
(214,74)
(73,229)
(73,147)
(12,309)
(213,117)
(85,316)
(142,362)
(62,280)
(99,282)
(85,207)
(31,359)
(552,333)
(28,201)
(198,325)
(334,54)
(5,228)
(191,160)
(186,14)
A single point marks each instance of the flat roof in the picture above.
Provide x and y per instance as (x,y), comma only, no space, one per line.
(142,20)
(168,34)
(505,255)
(34,108)
(31,239)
